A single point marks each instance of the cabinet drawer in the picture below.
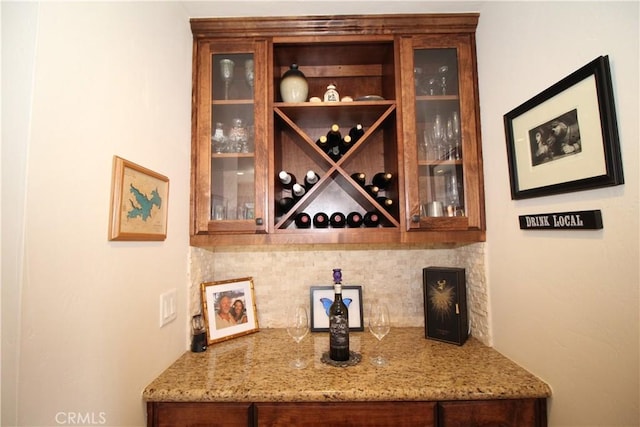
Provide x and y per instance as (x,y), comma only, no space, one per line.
(494,413)
(198,414)
(379,414)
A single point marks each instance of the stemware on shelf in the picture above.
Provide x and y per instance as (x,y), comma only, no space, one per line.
(226,71)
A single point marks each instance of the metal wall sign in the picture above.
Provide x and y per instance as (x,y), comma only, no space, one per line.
(579,220)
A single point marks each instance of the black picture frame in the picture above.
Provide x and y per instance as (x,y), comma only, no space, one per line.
(320,296)
(565,139)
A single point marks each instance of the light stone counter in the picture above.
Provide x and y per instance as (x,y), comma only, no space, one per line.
(255,368)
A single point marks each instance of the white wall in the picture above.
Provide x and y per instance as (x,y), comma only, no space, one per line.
(564,304)
(108,79)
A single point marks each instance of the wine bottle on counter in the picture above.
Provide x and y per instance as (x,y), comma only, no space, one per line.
(372,190)
(360,178)
(371,219)
(386,203)
(354,220)
(303,220)
(356,133)
(338,322)
(285,204)
(298,191)
(310,179)
(287,179)
(382,180)
(345,144)
(337,220)
(321,220)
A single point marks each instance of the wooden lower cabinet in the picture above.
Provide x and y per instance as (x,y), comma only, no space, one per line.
(493,413)
(346,414)
(478,413)
(199,414)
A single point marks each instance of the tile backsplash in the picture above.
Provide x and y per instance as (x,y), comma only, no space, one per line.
(284,274)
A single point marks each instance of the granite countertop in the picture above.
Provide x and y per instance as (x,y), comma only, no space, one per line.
(255,368)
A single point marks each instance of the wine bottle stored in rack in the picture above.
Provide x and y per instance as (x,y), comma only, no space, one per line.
(303,220)
(321,220)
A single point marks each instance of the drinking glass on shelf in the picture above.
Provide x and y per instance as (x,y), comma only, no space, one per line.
(438,136)
(379,326)
(442,72)
(226,71)
(455,119)
(248,72)
(297,327)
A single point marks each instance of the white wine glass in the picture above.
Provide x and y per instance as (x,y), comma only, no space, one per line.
(249,72)
(379,326)
(226,71)
(298,328)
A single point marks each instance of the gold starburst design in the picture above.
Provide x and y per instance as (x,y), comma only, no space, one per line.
(441,297)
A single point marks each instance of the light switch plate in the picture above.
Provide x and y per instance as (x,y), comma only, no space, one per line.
(168,307)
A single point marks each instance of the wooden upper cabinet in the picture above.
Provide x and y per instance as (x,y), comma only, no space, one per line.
(443,165)
(244,134)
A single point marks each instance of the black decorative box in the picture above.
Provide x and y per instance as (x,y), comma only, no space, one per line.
(445,304)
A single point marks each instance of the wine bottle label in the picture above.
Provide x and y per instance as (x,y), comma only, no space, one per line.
(339,332)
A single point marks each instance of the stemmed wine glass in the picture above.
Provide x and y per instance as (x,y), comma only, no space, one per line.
(248,72)
(298,327)
(379,325)
(226,71)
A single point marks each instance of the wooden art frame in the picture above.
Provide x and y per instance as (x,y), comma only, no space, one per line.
(139,202)
(219,326)
(565,138)
(321,298)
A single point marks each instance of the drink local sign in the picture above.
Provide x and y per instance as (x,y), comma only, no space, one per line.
(579,220)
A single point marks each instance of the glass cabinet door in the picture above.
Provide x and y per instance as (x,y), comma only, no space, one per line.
(438,132)
(445,189)
(227,133)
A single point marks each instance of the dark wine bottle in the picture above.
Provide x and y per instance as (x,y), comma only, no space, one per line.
(356,133)
(372,190)
(334,137)
(338,322)
(287,179)
(323,144)
(337,220)
(360,178)
(310,179)
(298,191)
(382,180)
(371,219)
(354,220)
(386,203)
(321,220)
(285,204)
(345,144)
(303,220)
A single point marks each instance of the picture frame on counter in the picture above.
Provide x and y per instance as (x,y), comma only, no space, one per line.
(139,202)
(565,139)
(229,309)
(321,298)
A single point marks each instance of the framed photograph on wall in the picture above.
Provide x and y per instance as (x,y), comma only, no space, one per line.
(565,138)
(321,300)
(139,202)
(229,309)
